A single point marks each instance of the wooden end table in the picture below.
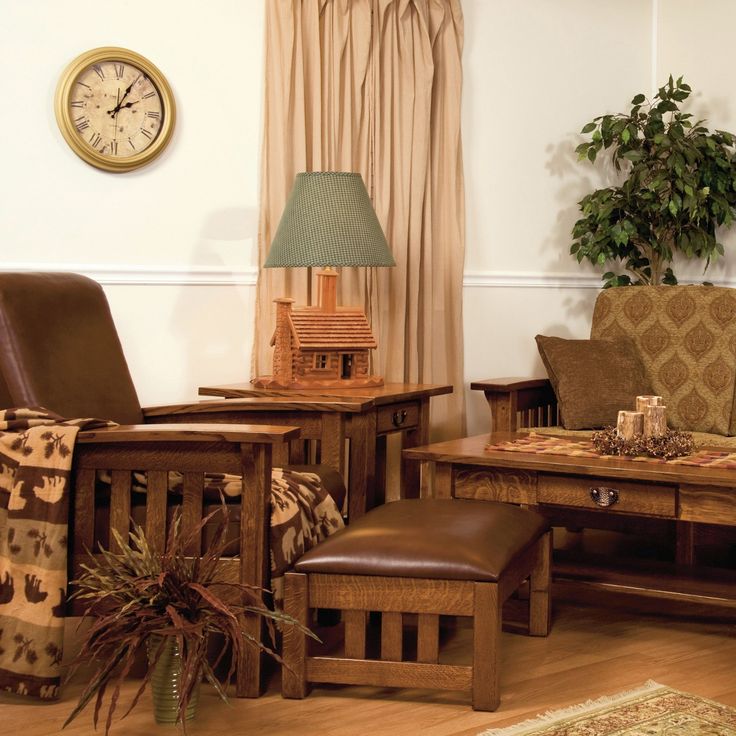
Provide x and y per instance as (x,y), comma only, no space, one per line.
(603,485)
(363,416)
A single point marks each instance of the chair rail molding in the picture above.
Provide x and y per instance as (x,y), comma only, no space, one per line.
(542,280)
(147,275)
(529,279)
(159,275)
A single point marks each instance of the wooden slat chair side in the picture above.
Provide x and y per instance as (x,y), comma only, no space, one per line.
(193,451)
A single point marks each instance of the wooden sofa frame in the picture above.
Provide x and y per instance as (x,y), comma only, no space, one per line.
(519,403)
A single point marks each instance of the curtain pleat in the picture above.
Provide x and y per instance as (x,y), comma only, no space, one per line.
(374,86)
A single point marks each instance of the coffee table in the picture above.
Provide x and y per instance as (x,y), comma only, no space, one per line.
(608,486)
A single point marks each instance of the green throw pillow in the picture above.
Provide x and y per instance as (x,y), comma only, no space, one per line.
(593,379)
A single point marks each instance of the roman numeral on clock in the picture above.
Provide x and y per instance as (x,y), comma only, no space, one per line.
(99,71)
(81,123)
(147,134)
(95,139)
(119,70)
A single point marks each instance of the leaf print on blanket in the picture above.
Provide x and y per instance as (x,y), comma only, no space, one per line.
(24,648)
(20,444)
(54,653)
(40,544)
(55,443)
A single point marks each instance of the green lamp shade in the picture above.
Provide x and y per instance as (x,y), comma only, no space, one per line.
(329,221)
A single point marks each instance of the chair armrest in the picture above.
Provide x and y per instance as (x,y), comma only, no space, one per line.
(238,433)
(516,403)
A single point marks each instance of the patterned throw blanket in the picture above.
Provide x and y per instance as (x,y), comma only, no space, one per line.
(35,468)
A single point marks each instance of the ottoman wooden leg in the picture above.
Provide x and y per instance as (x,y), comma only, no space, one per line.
(540,584)
(294,669)
(486,644)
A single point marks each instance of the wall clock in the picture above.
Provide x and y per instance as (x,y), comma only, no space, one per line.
(115,109)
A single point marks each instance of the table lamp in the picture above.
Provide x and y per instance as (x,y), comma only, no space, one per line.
(328,222)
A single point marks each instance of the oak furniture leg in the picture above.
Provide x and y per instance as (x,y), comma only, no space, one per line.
(486,644)
(540,594)
(294,672)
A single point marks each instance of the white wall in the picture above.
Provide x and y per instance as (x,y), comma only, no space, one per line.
(535,73)
(174,243)
(188,220)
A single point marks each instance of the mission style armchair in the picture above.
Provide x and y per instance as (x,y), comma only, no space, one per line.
(59,349)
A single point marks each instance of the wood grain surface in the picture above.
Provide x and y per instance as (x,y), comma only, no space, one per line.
(600,644)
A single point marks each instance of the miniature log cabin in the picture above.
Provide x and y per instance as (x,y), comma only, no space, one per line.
(318,349)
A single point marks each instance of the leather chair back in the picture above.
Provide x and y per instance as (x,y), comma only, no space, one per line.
(59,349)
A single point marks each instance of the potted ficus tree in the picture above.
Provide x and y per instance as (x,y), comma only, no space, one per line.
(166,606)
(678,189)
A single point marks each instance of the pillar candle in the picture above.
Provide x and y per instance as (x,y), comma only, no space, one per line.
(629,424)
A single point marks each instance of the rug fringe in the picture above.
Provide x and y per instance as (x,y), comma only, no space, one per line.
(574,710)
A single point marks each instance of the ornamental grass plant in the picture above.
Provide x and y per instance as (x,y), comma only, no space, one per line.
(139,592)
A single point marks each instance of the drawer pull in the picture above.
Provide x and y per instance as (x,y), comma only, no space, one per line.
(603,496)
(398,417)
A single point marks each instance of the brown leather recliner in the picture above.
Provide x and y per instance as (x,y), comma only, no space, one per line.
(59,349)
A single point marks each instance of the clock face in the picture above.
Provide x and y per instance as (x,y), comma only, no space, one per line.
(115,109)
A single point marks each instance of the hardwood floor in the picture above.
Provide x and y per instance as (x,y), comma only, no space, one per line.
(600,644)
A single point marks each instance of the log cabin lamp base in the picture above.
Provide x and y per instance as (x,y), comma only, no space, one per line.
(320,347)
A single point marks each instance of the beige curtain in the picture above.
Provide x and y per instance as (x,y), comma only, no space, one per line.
(374,86)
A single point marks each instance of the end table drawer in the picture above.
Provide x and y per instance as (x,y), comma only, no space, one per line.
(398,416)
(607,494)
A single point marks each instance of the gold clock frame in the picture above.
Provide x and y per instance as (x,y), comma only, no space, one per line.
(66,123)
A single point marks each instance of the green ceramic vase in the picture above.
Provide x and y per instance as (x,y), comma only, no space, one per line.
(166,681)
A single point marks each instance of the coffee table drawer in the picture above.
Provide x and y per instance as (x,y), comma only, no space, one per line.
(606,494)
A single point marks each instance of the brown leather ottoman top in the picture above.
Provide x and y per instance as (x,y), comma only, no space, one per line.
(443,539)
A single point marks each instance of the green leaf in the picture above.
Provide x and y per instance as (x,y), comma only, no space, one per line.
(625,135)
(588,127)
(672,207)
(638,100)
(633,155)
(591,154)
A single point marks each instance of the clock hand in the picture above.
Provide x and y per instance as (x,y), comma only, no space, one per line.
(117,107)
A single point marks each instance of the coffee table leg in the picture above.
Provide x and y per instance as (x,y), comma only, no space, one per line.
(443,481)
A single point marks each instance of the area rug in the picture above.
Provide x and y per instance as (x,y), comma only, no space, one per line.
(651,710)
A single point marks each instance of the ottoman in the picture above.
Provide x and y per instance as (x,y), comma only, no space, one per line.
(428,557)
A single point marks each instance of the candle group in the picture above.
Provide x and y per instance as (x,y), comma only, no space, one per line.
(649,419)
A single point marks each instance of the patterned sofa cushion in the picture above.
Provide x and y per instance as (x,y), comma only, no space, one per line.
(686,337)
